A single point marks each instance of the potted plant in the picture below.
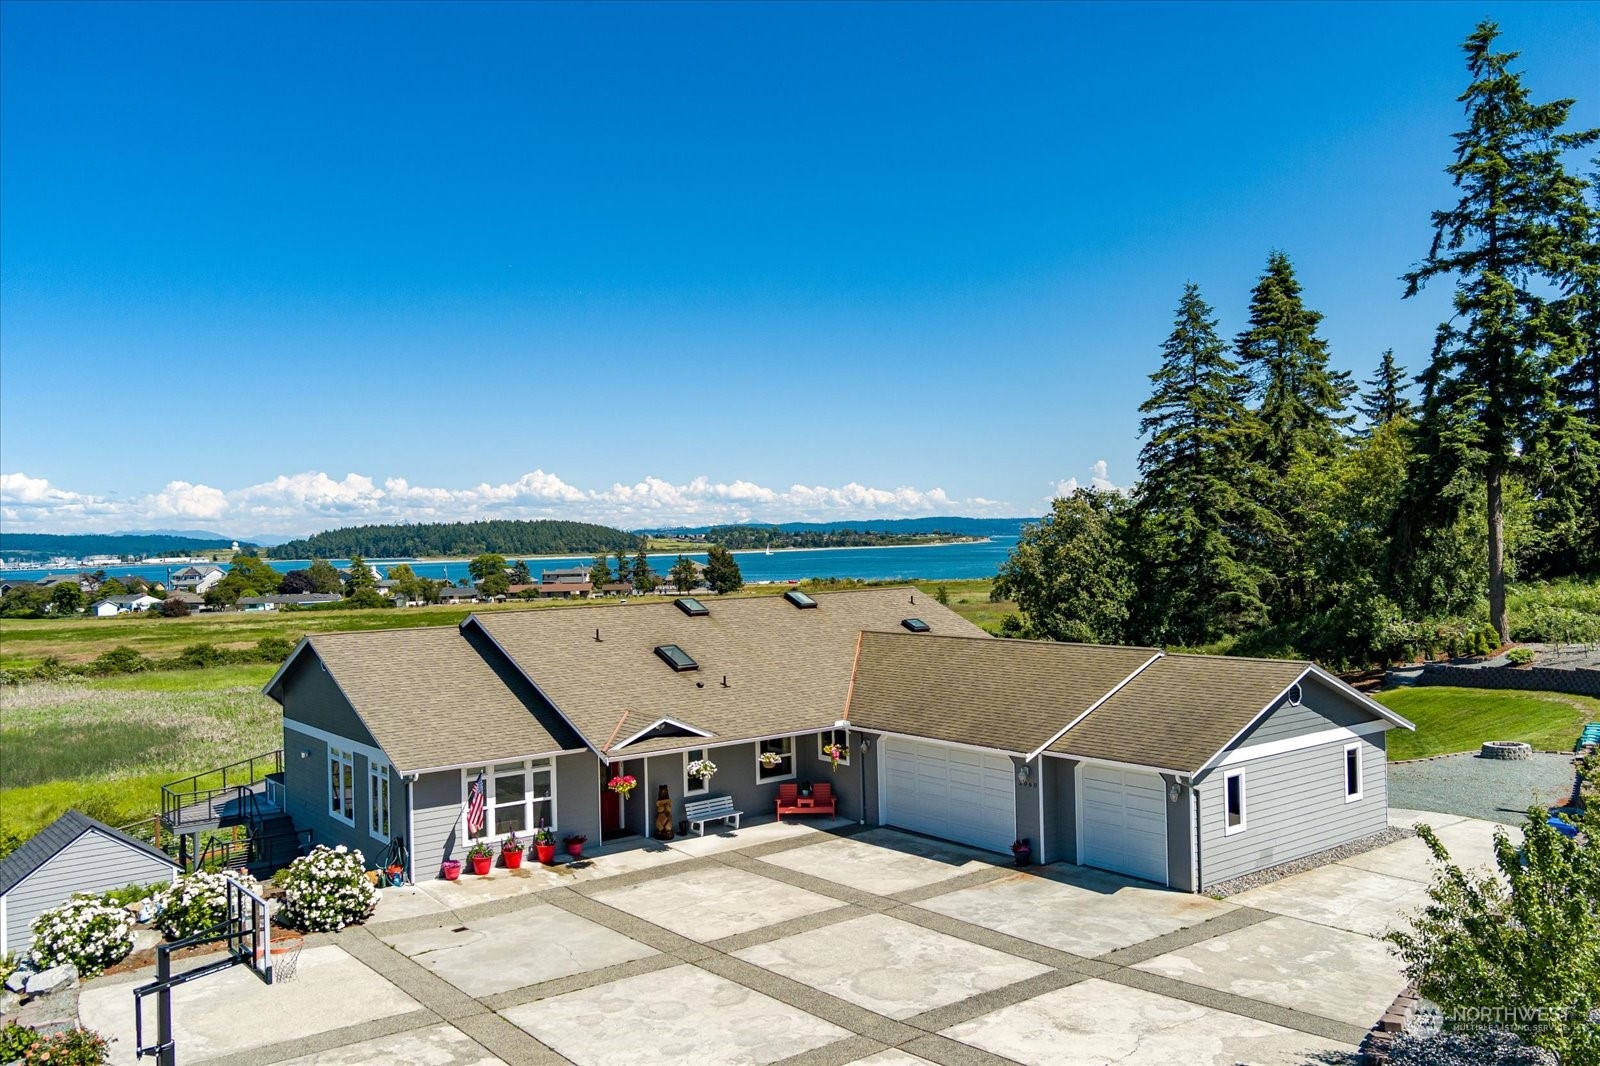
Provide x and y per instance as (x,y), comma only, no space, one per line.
(1022,852)
(511,851)
(450,870)
(575,843)
(544,844)
(770,759)
(701,770)
(481,857)
(836,751)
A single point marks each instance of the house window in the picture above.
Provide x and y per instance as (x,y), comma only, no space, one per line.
(694,786)
(378,799)
(782,767)
(342,785)
(517,797)
(1233,799)
(1352,772)
(840,737)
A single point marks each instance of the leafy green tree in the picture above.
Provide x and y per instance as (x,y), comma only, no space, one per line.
(248,575)
(599,572)
(67,598)
(25,601)
(325,577)
(684,575)
(644,578)
(112,587)
(359,580)
(1385,400)
(173,607)
(1190,513)
(1506,241)
(488,563)
(1520,945)
(722,570)
(1069,574)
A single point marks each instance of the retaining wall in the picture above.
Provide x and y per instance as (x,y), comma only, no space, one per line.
(1542,678)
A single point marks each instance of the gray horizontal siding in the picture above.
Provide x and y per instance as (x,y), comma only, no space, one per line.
(1321,708)
(1294,806)
(435,822)
(1059,838)
(92,863)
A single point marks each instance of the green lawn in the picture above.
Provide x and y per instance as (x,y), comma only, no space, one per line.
(1460,719)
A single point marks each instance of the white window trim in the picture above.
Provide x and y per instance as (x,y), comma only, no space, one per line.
(688,782)
(342,757)
(1244,804)
(375,771)
(1361,776)
(826,737)
(790,776)
(528,766)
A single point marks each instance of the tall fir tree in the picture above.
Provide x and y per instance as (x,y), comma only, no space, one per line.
(1385,400)
(1488,391)
(1190,514)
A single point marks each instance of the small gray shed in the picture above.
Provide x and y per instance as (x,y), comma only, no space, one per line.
(73,854)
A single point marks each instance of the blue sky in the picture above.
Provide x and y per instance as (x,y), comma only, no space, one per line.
(277,268)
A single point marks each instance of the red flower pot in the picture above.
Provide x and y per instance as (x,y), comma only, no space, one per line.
(575,850)
(546,853)
(481,864)
(451,870)
(513,859)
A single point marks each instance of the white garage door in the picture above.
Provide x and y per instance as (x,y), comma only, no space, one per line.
(954,793)
(1124,820)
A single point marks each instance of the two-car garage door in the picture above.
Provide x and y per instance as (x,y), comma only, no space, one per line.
(954,793)
(1124,821)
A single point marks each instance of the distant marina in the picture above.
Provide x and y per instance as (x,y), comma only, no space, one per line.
(954,562)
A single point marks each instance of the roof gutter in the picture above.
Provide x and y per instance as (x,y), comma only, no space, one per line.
(1036,752)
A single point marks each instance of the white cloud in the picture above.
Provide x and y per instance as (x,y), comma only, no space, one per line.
(1099,480)
(297,504)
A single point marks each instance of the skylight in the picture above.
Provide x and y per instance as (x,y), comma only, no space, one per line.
(799,599)
(691,606)
(676,657)
(916,625)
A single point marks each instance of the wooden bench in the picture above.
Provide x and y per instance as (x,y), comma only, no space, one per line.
(699,812)
(821,801)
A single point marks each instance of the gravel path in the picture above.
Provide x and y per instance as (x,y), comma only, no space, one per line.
(1382,838)
(1500,790)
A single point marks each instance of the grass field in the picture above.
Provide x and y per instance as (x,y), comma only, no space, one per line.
(107,746)
(1460,719)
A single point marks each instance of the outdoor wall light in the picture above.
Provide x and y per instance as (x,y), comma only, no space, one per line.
(305,754)
(1022,774)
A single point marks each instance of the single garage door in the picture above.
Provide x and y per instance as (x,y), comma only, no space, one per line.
(954,793)
(1124,820)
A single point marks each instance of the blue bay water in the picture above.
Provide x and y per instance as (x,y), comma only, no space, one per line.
(949,561)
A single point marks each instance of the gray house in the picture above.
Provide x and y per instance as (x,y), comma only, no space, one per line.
(1184,770)
(73,854)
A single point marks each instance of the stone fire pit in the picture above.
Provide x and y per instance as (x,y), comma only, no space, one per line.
(1506,749)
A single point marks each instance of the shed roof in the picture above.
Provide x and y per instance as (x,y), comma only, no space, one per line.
(54,838)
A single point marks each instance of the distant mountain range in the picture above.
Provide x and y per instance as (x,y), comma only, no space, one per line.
(970,527)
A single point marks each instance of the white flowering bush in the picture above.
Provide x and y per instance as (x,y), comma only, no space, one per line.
(85,932)
(327,890)
(194,903)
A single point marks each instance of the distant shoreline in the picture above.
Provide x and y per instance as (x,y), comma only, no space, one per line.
(670,552)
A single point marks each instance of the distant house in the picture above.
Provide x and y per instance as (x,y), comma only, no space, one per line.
(196,603)
(616,588)
(569,575)
(459,594)
(281,600)
(198,578)
(83,581)
(115,605)
(74,853)
(565,590)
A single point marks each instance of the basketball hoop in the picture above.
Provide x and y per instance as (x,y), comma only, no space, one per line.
(284,956)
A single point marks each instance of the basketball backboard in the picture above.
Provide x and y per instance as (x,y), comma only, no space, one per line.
(249,929)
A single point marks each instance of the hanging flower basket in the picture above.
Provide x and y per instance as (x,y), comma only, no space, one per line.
(702,769)
(622,784)
(769,759)
(836,752)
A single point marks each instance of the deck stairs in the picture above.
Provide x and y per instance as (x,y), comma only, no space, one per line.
(232,817)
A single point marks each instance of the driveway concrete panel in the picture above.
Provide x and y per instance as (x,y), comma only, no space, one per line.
(232,1011)
(1362,901)
(709,904)
(882,861)
(1312,968)
(892,1057)
(890,967)
(526,947)
(1095,1022)
(675,1016)
(439,1045)
(1077,909)
(1470,842)
(408,901)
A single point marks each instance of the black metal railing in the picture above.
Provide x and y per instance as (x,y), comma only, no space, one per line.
(193,800)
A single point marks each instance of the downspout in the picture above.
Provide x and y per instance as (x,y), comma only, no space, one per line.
(1194,863)
(411,829)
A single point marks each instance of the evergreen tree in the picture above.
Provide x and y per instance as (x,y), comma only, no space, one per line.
(1301,400)
(359,579)
(1190,513)
(644,579)
(599,572)
(1386,400)
(325,577)
(1488,387)
(722,570)
(621,566)
(684,575)
(520,574)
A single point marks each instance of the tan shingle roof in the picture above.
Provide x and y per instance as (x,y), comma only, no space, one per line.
(1181,711)
(1013,695)
(431,699)
(787,669)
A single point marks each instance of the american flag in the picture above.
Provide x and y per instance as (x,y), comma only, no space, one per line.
(475,808)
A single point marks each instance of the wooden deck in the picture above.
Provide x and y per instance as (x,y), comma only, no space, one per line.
(222,810)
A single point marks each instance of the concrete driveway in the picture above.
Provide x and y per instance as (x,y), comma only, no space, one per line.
(788,944)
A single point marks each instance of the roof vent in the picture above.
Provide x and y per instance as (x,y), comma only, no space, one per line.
(799,599)
(916,625)
(691,606)
(676,657)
